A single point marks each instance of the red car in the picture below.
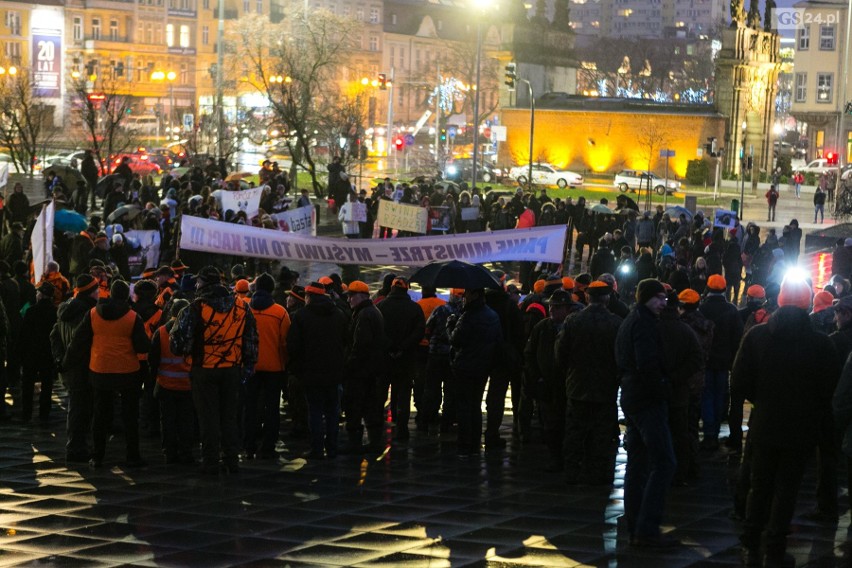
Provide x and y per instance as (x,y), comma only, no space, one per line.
(139,162)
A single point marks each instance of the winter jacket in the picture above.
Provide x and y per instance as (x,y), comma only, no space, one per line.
(704,329)
(82,344)
(404,323)
(68,317)
(187,336)
(585,348)
(474,339)
(510,354)
(11,248)
(824,321)
(436,329)
(640,358)
(842,340)
(316,342)
(788,371)
(35,335)
(543,377)
(682,354)
(727,334)
(841,261)
(366,344)
(273,325)
(645,231)
(842,406)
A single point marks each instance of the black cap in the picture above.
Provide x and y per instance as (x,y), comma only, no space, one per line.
(210,275)
(265,282)
(119,290)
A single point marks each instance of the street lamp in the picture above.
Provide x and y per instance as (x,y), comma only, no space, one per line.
(742,170)
(481,5)
(170,76)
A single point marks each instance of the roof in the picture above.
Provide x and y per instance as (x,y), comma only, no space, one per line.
(638,106)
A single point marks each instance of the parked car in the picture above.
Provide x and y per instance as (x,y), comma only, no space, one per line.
(636,180)
(462,169)
(818,166)
(546,174)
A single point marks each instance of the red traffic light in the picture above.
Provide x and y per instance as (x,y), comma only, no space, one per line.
(831,158)
(399,143)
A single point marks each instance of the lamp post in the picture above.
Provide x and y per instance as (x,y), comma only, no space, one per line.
(169,76)
(742,170)
(480,5)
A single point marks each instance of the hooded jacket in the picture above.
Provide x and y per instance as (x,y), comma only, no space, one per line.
(788,371)
(82,342)
(640,359)
(683,355)
(316,342)
(365,348)
(474,339)
(187,337)
(68,317)
(35,335)
(404,322)
(273,325)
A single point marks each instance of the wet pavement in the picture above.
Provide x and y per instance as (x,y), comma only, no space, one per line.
(418,505)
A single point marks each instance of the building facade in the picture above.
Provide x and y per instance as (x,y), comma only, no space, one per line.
(646,18)
(818,79)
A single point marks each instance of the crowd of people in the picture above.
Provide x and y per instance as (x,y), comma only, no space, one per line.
(202,356)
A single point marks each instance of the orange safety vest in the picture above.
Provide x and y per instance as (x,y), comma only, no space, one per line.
(223,336)
(273,323)
(112,344)
(150,326)
(173,372)
(166,293)
(428,306)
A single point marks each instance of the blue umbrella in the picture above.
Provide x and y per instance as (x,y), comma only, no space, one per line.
(69,221)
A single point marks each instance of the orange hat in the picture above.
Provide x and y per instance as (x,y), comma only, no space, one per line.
(358,287)
(689,296)
(539,307)
(717,283)
(241,286)
(756,291)
(598,288)
(325,281)
(538,286)
(795,292)
(822,300)
(315,288)
(567,283)
(400,283)
(457,292)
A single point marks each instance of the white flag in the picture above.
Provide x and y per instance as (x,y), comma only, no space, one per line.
(4,174)
(42,241)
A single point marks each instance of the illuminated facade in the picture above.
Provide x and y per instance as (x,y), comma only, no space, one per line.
(645,18)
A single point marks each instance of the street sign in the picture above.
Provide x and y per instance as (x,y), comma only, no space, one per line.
(451,131)
(498,133)
(667,153)
(188,122)
(409,139)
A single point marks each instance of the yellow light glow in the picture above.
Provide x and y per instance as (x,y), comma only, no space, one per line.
(171,75)
(365,81)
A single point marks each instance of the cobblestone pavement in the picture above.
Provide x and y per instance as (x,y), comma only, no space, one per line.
(418,505)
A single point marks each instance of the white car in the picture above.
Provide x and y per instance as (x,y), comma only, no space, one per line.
(636,180)
(545,174)
(818,166)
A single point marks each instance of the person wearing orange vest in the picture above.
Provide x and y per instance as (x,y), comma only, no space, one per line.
(221,336)
(273,323)
(173,392)
(167,284)
(61,287)
(428,302)
(97,269)
(112,335)
(144,293)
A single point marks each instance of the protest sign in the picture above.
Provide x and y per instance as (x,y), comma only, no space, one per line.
(145,246)
(411,218)
(440,218)
(247,200)
(538,244)
(356,212)
(469,213)
(299,220)
(725,219)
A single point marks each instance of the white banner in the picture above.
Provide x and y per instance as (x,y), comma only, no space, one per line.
(4,174)
(301,220)
(42,241)
(538,244)
(148,243)
(410,218)
(247,200)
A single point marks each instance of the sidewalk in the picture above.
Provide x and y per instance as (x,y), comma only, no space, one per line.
(418,506)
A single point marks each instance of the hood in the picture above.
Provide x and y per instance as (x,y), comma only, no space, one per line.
(789,321)
(397,293)
(261,300)
(217,297)
(113,309)
(75,308)
(322,305)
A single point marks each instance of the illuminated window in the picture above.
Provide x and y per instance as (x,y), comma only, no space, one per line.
(824,84)
(170,35)
(625,12)
(184,36)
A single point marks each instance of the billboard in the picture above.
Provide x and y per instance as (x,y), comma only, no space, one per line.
(47,53)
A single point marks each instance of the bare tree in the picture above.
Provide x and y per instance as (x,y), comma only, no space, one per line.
(103,113)
(26,124)
(296,64)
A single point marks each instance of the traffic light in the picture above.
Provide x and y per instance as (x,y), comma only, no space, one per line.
(511,76)
(399,143)
(831,158)
(443,134)
(383,81)
(749,162)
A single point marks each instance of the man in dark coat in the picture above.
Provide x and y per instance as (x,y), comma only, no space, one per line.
(475,336)
(726,340)
(404,327)
(35,344)
(585,349)
(645,392)
(365,358)
(12,245)
(316,346)
(90,170)
(787,370)
(75,379)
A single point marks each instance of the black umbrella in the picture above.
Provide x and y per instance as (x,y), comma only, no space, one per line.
(455,274)
(106,183)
